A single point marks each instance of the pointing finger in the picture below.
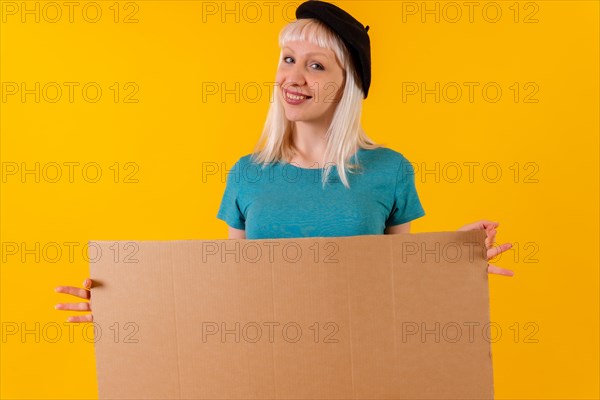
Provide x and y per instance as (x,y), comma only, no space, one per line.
(492,269)
(494,251)
(75,291)
(81,318)
(73,306)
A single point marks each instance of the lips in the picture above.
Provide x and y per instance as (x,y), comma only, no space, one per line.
(292,97)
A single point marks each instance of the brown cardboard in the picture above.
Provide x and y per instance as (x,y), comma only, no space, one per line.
(376,299)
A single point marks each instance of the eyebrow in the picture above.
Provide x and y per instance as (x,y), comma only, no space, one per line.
(312,53)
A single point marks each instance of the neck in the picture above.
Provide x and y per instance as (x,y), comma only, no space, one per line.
(309,140)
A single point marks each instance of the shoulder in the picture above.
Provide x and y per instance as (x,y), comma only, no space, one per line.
(244,161)
(383,158)
(246,169)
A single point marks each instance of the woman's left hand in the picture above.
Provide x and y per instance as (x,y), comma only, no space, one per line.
(490,230)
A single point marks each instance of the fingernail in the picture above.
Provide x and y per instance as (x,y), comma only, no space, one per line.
(56,307)
(57,289)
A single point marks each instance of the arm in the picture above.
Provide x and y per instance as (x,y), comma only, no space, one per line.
(236,233)
(402,228)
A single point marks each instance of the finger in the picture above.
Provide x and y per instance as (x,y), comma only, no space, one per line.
(483,224)
(490,238)
(494,251)
(471,227)
(487,224)
(88,285)
(75,291)
(492,269)
(73,306)
(81,318)
(490,224)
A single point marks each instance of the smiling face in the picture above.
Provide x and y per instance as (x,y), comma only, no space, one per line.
(310,80)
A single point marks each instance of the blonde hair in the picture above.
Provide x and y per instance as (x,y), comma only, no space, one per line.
(345,135)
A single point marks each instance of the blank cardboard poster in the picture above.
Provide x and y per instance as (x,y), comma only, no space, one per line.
(365,317)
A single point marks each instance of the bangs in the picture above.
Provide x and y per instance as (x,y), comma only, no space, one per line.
(313,31)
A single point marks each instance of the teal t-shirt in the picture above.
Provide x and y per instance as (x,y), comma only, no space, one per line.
(286,201)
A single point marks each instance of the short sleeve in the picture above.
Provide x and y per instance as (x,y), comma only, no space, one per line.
(229,211)
(407,205)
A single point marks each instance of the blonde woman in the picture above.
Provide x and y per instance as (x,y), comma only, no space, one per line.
(314,171)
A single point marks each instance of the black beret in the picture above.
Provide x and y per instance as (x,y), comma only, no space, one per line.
(353,34)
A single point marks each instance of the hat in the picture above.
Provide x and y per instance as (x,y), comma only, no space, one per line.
(353,34)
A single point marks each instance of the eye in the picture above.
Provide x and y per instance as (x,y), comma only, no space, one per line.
(319,67)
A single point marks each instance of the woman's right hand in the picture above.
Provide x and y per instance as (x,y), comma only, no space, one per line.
(83,293)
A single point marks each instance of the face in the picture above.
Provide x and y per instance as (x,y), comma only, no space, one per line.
(310,81)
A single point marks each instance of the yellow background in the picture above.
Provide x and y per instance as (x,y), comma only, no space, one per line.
(170,133)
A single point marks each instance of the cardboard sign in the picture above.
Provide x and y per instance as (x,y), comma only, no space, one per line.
(365,317)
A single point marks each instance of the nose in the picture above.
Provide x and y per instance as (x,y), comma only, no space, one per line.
(294,76)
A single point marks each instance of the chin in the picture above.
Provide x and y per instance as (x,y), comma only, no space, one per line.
(295,117)
(298,116)
(299,119)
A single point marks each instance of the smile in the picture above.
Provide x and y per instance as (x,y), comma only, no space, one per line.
(294,97)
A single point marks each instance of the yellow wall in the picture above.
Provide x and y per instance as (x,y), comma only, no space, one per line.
(154,133)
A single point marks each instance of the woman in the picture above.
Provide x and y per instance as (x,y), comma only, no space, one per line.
(314,171)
